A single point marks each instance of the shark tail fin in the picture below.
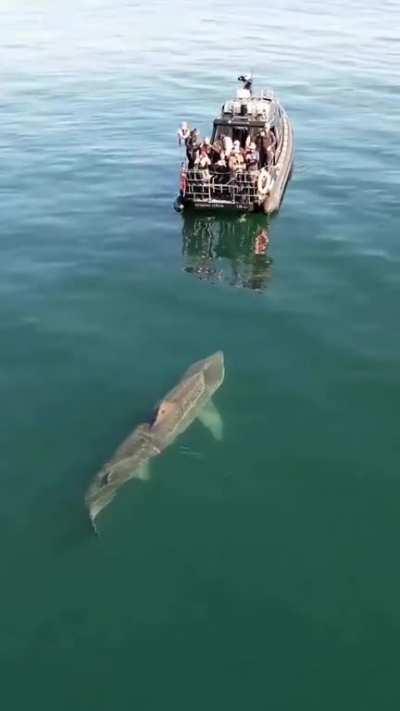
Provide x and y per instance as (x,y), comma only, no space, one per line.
(93,524)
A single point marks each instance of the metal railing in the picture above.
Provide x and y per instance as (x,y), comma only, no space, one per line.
(210,186)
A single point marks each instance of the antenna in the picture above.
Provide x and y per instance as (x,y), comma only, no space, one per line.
(247,80)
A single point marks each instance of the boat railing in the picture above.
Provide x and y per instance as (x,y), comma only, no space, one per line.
(211,185)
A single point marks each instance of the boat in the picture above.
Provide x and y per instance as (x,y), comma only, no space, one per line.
(247,122)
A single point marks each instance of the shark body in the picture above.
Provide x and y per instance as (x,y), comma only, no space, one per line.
(189,399)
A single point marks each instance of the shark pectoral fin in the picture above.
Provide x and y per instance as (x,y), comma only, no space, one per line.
(210,418)
(143,472)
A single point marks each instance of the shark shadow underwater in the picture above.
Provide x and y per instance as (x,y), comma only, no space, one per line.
(188,400)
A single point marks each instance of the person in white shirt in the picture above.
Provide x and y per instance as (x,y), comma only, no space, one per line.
(203,163)
(228,145)
(183,133)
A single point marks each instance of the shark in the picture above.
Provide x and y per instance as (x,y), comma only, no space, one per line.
(188,400)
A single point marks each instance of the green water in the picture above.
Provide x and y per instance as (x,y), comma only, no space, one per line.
(260,572)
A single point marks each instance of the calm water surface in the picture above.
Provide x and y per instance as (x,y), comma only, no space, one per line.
(260,573)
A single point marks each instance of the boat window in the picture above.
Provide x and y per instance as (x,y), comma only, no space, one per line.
(236,133)
(219,132)
(240,134)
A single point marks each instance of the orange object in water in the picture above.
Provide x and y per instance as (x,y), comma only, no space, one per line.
(262,242)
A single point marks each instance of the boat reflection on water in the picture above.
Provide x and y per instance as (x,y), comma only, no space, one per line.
(226,248)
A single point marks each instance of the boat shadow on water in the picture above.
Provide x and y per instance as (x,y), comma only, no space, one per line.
(229,249)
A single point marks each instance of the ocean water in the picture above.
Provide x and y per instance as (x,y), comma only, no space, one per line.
(260,572)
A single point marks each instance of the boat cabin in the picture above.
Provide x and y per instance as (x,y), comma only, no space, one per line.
(242,119)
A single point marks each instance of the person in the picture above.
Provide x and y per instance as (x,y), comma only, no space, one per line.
(206,146)
(192,147)
(265,144)
(183,133)
(252,158)
(203,163)
(261,148)
(271,138)
(227,144)
(236,160)
(270,144)
(221,165)
(220,171)
(237,147)
(211,150)
(216,150)
(221,162)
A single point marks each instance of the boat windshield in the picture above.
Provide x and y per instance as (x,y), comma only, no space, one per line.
(236,133)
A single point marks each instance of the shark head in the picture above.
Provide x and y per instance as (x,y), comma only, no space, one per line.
(214,371)
(183,403)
